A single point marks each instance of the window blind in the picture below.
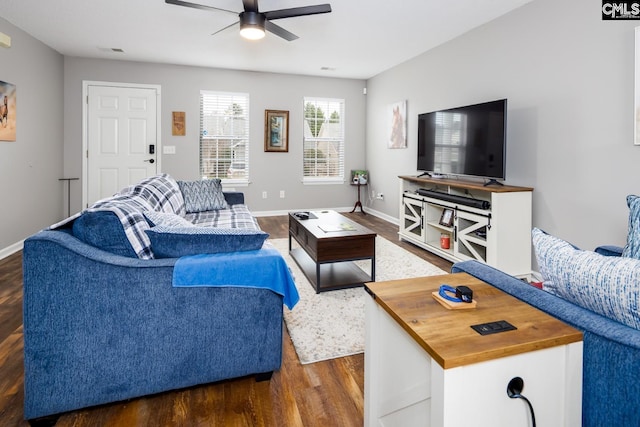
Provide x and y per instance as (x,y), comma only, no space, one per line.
(323,146)
(224,136)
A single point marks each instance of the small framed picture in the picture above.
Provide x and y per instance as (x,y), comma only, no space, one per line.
(446,218)
(276,131)
(177,123)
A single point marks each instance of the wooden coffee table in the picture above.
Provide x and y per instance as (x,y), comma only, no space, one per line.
(329,243)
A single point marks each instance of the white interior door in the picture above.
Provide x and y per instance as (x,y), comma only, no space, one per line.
(122,138)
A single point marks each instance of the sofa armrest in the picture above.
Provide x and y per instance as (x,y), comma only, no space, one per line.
(611,349)
(576,316)
(234,197)
(609,250)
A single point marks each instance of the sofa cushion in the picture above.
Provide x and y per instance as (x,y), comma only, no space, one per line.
(632,248)
(167,219)
(175,242)
(204,195)
(235,216)
(605,285)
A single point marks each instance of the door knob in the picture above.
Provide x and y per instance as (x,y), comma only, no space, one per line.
(150,160)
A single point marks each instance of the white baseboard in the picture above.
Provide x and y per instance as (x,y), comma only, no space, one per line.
(382,215)
(10,250)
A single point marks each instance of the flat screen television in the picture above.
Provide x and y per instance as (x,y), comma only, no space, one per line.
(468,140)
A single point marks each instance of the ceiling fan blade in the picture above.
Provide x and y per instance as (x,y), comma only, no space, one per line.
(222,29)
(250,5)
(298,11)
(279,31)
(196,6)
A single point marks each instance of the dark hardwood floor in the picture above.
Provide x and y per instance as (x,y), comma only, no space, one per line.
(329,393)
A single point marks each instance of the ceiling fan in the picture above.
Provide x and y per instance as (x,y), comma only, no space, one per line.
(253,23)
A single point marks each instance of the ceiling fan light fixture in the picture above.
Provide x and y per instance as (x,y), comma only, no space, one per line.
(252,25)
(252,33)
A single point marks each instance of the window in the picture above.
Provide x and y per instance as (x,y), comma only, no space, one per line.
(323,158)
(224,136)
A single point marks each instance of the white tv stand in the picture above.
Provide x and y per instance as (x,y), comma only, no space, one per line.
(499,235)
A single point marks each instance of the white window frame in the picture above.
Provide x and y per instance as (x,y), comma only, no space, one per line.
(328,106)
(214,105)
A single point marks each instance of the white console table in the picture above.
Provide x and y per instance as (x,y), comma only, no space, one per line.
(425,365)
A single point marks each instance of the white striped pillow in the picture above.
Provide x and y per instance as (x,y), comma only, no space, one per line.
(603,284)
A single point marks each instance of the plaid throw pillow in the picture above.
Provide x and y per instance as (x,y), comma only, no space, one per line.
(235,216)
(201,196)
(162,193)
(166,219)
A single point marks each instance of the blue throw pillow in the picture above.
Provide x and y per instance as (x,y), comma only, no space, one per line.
(602,284)
(175,242)
(103,230)
(201,196)
(632,248)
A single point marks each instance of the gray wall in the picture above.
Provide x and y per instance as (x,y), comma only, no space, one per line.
(180,87)
(31,166)
(568,77)
(567,74)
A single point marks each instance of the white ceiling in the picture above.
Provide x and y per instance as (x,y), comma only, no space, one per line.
(358,39)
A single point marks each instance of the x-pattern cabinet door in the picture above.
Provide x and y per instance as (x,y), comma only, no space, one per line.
(413,217)
(471,236)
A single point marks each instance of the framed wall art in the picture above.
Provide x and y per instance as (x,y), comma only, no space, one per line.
(276,131)
(178,125)
(7,111)
(397,125)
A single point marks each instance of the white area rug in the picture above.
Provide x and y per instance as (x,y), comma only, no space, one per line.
(331,324)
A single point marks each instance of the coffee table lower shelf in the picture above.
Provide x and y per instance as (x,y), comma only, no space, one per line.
(331,275)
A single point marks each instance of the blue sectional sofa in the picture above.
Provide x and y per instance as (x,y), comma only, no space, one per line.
(105,321)
(611,352)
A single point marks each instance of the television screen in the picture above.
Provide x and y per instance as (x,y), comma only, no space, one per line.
(469,140)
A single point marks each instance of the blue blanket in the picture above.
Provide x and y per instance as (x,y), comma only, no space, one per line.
(264,268)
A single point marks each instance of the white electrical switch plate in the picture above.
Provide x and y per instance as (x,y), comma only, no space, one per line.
(5,40)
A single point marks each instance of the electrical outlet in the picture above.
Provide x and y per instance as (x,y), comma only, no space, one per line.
(264,194)
(282,194)
(380,196)
(373,194)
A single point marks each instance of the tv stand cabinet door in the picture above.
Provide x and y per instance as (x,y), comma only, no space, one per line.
(412,218)
(472,234)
